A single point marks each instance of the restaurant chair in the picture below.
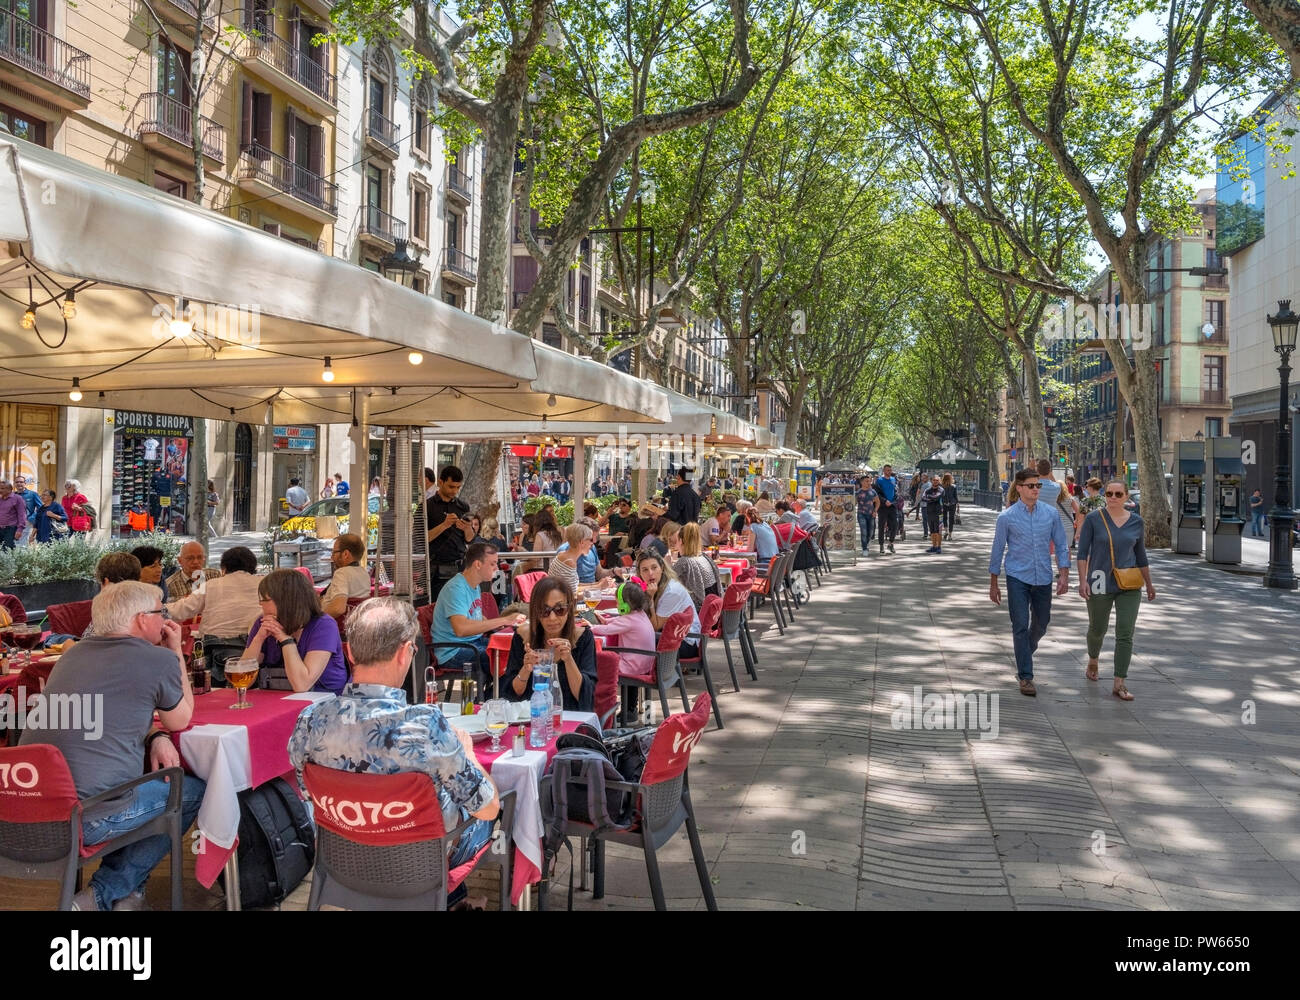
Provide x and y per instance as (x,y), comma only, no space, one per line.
(469,675)
(731,626)
(40,833)
(68,619)
(393,857)
(667,671)
(747,578)
(821,547)
(767,585)
(12,604)
(662,804)
(525,582)
(605,697)
(710,613)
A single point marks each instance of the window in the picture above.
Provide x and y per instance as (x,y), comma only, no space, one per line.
(170,185)
(255,125)
(311,53)
(453,231)
(1213,427)
(375,222)
(524,278)
(423,105)
(1212,378)
(551,335)
(259,16)
(420,283)
(1215,310)
(451,298)
(420,213)
(370,265)
(174,72)
(23,125)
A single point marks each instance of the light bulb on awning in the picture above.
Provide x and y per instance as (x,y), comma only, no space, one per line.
(415,357)
(327,375)
(75,394)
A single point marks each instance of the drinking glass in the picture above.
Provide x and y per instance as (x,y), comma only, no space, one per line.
(26,638)
(543,667)
(591,596)
(497,712)
(241,674)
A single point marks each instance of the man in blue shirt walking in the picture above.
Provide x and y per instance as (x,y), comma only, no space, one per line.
(1024,535)
(887,490)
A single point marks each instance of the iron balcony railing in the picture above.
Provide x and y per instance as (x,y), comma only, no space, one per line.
(295,64)
(379,223)
(459,262)
(459,182)
(167,116)
(38,51)
(379,127)
(281,173)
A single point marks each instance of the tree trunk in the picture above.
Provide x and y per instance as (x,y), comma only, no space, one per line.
(198,73)
(793,411)
(1034,434)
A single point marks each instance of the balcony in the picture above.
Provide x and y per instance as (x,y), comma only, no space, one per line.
(163,124)
(280,180)
(459,266)
(182,13)
(381,134)
(34,59)
(459,185)
(380,229)
(1213,397)
(280,64)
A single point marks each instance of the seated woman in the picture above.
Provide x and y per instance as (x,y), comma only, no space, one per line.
(652,538)
(295,633)
(765,504)
(564,567)
(759,536)
(694,569)
(151,566)
(667,597)
(551,626)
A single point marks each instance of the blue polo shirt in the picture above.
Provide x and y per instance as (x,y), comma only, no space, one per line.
(586,564)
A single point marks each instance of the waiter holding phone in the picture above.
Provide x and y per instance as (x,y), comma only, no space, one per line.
(449,529)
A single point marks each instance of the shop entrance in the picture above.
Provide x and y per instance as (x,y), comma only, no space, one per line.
(241,485)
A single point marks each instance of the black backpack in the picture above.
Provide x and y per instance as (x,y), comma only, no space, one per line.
(277,843)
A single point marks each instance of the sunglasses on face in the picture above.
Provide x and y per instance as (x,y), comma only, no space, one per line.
(1032,486)
(555,610)
(1111,493)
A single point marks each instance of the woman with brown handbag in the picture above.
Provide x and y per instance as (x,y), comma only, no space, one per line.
(1113,568)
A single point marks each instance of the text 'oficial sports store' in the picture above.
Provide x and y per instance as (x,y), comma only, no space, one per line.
(151,466)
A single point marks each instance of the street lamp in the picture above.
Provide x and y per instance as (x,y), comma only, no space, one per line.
(1282,518)
(400,266)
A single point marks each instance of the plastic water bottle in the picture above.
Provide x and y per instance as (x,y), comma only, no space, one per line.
(539,717)
(557,703)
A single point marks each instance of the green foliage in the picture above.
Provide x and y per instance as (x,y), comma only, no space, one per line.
(73,558)
(563,511)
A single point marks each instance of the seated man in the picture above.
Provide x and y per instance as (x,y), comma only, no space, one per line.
(131,667)
(350,579)
(370,727)
(458,614)
(784,514)
(193,568)
(113,567)
(229,606)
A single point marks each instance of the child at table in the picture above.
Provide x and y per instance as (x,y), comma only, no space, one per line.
(633,630)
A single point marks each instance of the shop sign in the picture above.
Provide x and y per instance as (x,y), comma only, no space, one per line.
(293,438)
(136,424)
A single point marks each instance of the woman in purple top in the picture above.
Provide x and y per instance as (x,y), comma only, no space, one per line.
(295,633)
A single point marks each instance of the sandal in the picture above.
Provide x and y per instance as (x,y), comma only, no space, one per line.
(1091,672)
(1122,693)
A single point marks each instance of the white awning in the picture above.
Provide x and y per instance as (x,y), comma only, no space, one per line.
(267,313)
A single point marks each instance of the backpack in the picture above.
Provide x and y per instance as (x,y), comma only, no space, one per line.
(277,843)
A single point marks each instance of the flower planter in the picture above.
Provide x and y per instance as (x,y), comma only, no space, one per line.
(36,597)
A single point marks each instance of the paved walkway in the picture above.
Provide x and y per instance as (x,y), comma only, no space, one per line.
(1171,801)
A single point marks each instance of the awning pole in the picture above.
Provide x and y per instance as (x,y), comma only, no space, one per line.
(359,467)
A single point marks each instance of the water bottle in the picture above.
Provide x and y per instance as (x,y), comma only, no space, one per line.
(539,717)
(557,703)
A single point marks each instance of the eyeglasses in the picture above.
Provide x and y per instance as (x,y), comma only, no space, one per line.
(1032,486)
(554,611)
(159,611)
(1111,493)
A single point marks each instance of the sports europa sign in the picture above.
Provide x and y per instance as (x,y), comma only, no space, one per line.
(139,424)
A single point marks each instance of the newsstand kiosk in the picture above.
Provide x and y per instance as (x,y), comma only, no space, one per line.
(1225,514)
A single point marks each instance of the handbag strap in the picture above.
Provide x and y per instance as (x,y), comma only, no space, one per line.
(1105,521)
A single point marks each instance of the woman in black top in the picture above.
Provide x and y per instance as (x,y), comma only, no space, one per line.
(949,505)
(551,626)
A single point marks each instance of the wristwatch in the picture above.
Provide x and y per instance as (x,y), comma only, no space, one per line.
(148,740)
(286,640)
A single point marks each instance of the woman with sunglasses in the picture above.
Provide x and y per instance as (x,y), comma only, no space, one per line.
(551,626)
(1116,528)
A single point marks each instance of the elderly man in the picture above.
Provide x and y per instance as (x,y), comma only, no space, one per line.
(370,727)
(131,667)
(13,515)
(229,605)
(32,500)
(350,580)
(193,569)
(296,497)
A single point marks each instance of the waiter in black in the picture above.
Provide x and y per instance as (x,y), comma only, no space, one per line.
(449,527)
(684,502)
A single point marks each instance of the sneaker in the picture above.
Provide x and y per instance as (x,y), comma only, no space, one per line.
(85,900)
(938,550)
(882,550)
(135,901)
(1027,687)
(891,548)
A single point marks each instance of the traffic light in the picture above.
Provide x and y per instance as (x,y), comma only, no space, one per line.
(1063,455)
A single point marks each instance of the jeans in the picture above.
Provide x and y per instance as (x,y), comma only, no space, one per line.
(7,534)
(1126,604)
(127,870)
(472,665)
(1257,524)
(888,523)
(1031,611)
(865,530)
(469,843)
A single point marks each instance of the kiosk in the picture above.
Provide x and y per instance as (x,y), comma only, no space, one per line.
(1225,505)
(1189,498)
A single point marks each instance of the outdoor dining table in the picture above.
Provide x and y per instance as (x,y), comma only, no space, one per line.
(233,751)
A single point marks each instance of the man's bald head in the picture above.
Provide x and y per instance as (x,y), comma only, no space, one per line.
(192,558)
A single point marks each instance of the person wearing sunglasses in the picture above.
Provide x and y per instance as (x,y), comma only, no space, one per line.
(551,626)
(1112,538)
(1026,535)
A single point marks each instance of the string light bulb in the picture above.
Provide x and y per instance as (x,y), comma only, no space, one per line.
(550,400)
(70,305)
(327,374)
(29,317)
(180,324)
(543,421)
(415,357)
(75,394)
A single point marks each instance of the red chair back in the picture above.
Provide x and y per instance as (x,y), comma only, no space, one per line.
(69,619)
(307,573)
(671,750)
(710,612)
(376,809)
(736,595)
(17,613)
(605,697)
(36,785)
(424,614)
(490,609)
(525,582)
(674,631)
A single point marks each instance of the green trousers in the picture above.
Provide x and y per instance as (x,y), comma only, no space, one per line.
(1126,604)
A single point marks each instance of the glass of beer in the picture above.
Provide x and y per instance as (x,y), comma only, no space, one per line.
(497,712)
(591,597)
(241,674)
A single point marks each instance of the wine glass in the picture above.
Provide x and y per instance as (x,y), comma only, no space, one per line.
(497,712)
(241,674)
(26,638)
(591,596)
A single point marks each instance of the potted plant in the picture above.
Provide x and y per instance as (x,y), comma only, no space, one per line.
(62,571)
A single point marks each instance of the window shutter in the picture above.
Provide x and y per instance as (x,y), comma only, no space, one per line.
(246,124)
(262,120)
(316,154)
(290,136)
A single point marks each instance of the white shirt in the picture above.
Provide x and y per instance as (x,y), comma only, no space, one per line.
(674,599)
(227,603)
(350,581)
(151,446)
(297,498)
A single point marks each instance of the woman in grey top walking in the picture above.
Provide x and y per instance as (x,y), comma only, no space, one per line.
(1112,528)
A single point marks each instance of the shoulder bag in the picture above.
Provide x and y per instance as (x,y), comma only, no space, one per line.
(1127,579)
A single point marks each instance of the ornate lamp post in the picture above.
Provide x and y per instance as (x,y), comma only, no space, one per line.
(400,266)
(1280,574)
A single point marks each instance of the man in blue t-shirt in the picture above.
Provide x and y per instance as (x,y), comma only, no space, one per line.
(458,614)
(886,487)
(341,486)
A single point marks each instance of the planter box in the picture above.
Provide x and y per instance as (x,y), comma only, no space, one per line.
(36,597)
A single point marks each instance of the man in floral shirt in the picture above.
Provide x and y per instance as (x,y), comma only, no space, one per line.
(370,727)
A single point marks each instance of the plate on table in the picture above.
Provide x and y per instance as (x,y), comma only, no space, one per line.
(474,725)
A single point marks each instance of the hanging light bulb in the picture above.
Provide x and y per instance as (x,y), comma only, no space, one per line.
(75,394)
(180,325)
(70,305)
(543,420)
(550,400)
(327,375)
(29,317)
(415,357)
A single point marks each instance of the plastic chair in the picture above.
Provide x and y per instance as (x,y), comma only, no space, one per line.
(710,613)
(525,582)
(605,697)
(72,618)
(730,627)
(663,804)
(767,584)
(821,546)
(391,854)
(40,834)
(667,670)
(17,613)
